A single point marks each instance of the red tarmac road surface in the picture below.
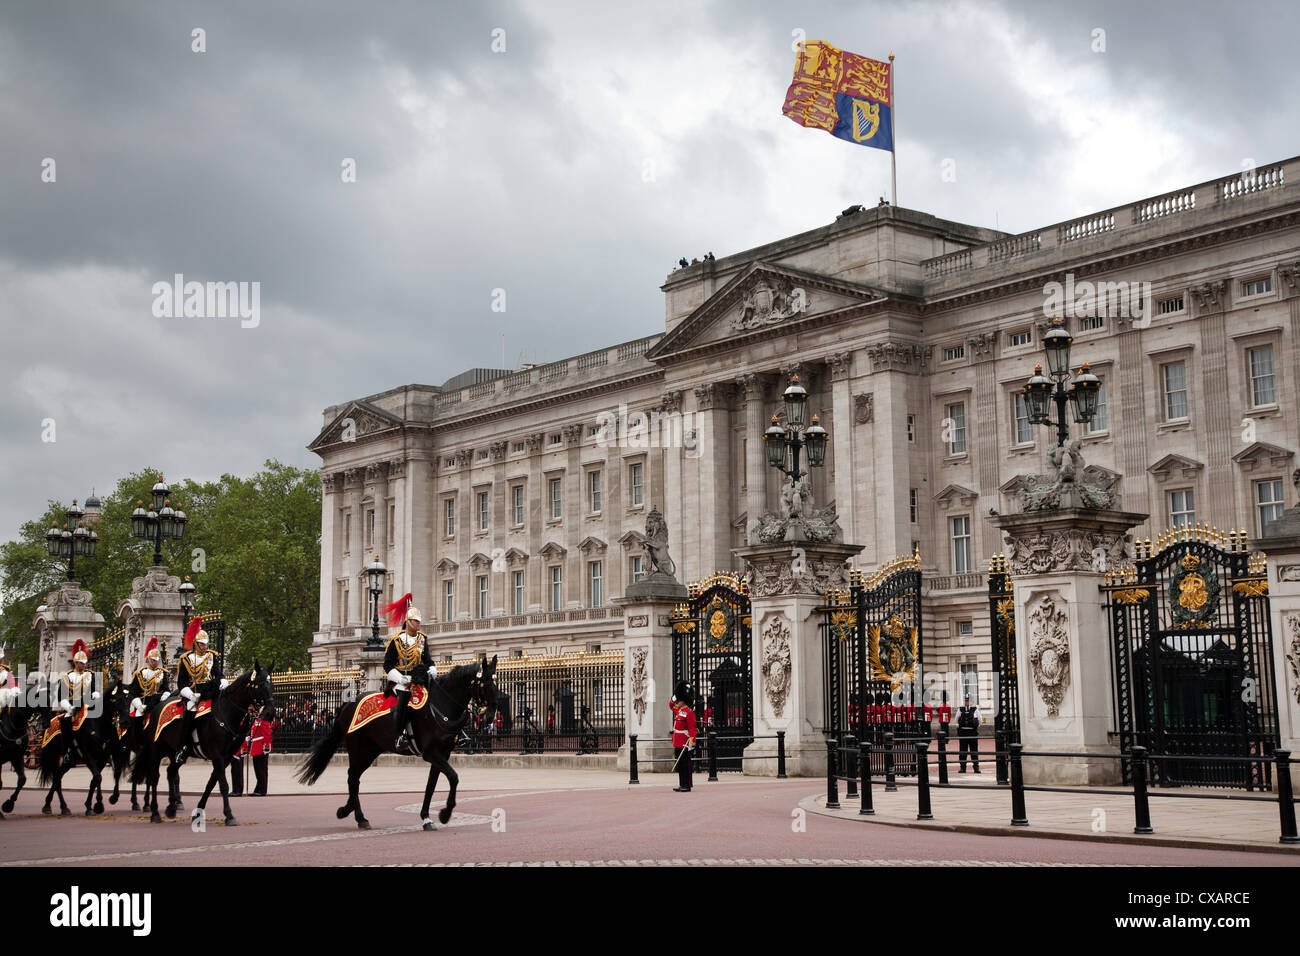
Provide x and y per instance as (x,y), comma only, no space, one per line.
(714,823)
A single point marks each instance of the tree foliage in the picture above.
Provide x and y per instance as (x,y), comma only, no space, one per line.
(251,548)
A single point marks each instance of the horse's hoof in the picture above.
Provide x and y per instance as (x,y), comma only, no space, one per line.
(363,824)
(8,806)
(155,819)
(170,813)
(444,815)
(113,799)
(135,805)
(90,812)
(99,808)
(342,812)
(46,810)
(429,825)
(65,812)
(231,822)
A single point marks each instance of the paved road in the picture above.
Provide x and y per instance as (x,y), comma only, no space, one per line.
(748,821)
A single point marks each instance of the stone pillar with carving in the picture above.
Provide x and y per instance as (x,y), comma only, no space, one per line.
(152,610)
(67,615)
(713,437)
(1281,545)
(750,389)
(1058,558)
(787,583)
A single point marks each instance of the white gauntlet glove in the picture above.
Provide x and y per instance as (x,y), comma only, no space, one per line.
(398,678)
(187,693)
(165,695)
(95,696)
(224,683)
(137,707)
(66,705)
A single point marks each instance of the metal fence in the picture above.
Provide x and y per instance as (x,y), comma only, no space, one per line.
(567,703)
(306,703)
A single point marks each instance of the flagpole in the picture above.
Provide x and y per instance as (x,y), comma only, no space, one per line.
(893,143)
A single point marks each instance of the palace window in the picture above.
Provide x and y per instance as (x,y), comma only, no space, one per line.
(636,483)
(954,352)
(517,504)
(961,550)
(518,447)
(346,518)
(448,600)
(517,583)
(911,429)
(555,439)
(593,486)
(1257,286)
(1173,377)
(481,582)
(1089,322)
(449,517)
(482,455)
(392,524)
(369,534)
(557,588)
(955,427)
(595,588)
(482,510)
(449,462)
(638,567)
(557,497)
(970,684)
(343,602)
(965,628)
(1023,337)
(913,498)
(1021,426)
(1262,387)
(1182,508)
(1268,502)
(1099,421)
(1171,305)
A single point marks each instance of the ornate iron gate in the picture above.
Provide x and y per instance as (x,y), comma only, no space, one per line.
(107,653)
(1002,618)
(872,660)
(1193,657)
(713,651)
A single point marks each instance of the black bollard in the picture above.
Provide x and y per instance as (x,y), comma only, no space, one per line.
(850,752)
(780,755)
(1285,802)
(631,759)
(864,768)
(832,784)
(923,781)
(890,785)
(1141,804)
(943,757)
(1000,755)
(1018,817)
(713,756)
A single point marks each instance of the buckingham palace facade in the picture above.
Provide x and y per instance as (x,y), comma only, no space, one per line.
(512,503)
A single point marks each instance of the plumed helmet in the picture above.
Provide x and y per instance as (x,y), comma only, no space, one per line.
(193,631)
(79,655)
(151,653)
(400,611)
(413,614)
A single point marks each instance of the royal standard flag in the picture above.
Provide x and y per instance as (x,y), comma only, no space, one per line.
(845,94)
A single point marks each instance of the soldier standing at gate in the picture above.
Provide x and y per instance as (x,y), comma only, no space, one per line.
(968,728)
(683,734)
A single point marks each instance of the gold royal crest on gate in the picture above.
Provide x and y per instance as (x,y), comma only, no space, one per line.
(893,652)
(1193,596)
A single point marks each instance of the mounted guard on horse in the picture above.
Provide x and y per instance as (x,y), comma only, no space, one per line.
(406,650)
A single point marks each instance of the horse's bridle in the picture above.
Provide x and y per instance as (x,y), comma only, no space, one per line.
(478,692)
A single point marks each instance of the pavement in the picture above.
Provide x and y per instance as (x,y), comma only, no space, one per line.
(579,817)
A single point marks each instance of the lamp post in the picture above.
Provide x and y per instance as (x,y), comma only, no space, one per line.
(75,539)
(375,574)
(1043,390)
(160,521)
(784,443)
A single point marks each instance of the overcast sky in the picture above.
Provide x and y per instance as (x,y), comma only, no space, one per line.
(571,170)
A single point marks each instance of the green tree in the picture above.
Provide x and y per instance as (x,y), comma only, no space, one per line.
(251,547)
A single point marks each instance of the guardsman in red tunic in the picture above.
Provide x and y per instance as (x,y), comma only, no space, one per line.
(259,748)
(683,735)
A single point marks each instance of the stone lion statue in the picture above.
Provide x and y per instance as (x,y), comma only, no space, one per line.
(655,546)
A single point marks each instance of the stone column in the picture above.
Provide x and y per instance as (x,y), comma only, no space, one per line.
(66,615)
(1282,548)
(1058,560)
(668,429)
(330,485)
(714,437)
(356,558)
(750,388)
(785,590)
(841,443)
(648,668)
(152,610)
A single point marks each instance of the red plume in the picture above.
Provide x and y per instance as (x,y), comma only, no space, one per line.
(79,646)
(196,625)
(396,612)
(153,642)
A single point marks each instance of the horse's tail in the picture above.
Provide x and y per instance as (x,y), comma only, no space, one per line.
(323,752)
(49,762)
(140,766)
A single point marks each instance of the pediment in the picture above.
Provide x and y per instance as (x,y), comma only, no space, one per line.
(1261,452)
(631,539)
(1098,477)
(956,493)
(516,556)
(1176,465)
(447,566)
(1013,486)
(358,420)
(590,544)
(763,297)
(552,550)
(480,561)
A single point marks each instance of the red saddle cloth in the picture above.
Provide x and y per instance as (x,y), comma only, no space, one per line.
(373,706)
(175,709)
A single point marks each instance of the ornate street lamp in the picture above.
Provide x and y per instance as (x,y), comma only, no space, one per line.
(160,521)
(375,574)
(73,541)
(1041,391)
(187,591)
(794,437)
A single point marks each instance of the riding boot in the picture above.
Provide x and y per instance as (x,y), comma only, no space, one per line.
(399,714)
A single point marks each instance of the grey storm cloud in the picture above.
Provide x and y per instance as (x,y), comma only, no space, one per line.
(571,170)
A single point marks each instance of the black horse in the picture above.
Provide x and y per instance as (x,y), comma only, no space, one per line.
(128,740)
(13,746)
(220,734)
(434,728)
(95,739)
